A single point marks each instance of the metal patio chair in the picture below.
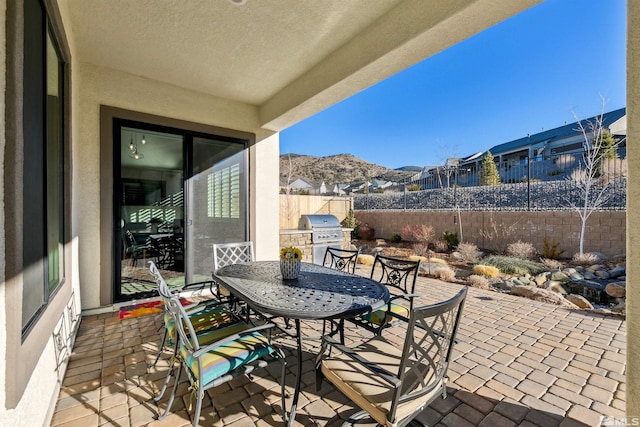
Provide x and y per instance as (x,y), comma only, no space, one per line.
(399,276)
(228,357)
(341,259)
(393,383)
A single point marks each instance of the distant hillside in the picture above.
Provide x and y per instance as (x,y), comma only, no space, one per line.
(337,169)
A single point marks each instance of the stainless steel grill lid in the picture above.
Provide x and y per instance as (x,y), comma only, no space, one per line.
(316,222)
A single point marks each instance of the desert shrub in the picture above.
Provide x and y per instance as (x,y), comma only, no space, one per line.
(440,246)
(444,273)
(468,251)
(551,264)
(420,248)
(498,235)
(414,187)
(451,239)
(585,259)
(485,270)
(551,250)
(365,259)
(520,249)
(418,233)
(511,265)
(476,281)
(396,238)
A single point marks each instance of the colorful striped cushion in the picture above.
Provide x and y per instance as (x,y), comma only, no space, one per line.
(377,317)
(201,321)
(227,357)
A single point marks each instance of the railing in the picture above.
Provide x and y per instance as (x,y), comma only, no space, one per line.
(545,184)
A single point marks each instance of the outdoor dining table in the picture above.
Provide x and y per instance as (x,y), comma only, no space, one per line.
(319,293)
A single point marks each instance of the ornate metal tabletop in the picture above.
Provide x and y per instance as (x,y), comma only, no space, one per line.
(318,293)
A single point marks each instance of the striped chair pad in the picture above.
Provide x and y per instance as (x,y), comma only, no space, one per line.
(377,317)
(201,321)
(226,358)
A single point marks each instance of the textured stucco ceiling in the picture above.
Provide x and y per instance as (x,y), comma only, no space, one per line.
(290,58)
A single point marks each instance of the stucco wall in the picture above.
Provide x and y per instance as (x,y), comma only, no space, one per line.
(633,206)
(95,86)
(606,231)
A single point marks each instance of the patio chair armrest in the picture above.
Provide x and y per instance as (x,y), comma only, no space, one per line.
(403,296)
(374,368)
(232,338)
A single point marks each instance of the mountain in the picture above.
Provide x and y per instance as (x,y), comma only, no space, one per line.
(336,169)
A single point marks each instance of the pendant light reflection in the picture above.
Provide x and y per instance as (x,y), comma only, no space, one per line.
(133,147)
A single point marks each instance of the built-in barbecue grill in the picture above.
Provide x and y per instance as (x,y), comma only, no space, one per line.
(325,231)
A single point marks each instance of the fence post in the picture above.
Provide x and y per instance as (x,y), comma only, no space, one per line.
(528,183)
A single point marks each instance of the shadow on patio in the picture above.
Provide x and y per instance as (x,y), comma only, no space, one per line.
(518,363)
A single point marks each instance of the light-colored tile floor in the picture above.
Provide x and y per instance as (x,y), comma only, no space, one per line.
(517,363)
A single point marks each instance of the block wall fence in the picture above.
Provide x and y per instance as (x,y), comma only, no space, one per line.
(606,230)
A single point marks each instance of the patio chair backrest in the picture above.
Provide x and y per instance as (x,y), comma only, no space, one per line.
(396,273)
(231,253)
(341,259)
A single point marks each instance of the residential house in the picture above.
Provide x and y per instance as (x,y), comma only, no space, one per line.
(114,115)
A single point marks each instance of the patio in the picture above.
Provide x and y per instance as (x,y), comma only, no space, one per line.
(518,363)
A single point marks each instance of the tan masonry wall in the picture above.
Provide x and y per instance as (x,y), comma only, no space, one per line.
(606,231)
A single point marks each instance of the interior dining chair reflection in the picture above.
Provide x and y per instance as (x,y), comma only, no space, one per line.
(393,382)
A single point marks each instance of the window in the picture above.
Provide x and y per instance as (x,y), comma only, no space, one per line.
(43,185)
(224,192)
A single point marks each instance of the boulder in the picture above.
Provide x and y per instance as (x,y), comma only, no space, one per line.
(556,286)
(559,276)
(580,301)
(616,289)
(617,271)
(542,295)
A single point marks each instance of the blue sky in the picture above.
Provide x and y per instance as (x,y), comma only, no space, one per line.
(536,71)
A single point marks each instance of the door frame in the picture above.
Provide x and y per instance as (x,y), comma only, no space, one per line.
(107,116)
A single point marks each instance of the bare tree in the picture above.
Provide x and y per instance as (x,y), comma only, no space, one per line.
(290,205)
(594,187)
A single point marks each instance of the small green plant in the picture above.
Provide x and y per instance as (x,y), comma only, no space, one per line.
(451,239)
(511,265)
(396,238)
(350,221)
(414,187)
(551,251)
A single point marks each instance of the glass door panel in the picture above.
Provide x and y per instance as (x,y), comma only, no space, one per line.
(216,201)
(151,210)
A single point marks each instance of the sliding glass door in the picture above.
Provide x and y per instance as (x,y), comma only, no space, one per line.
(175,194)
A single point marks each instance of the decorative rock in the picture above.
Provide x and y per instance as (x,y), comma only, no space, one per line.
(524,280)
(588,275)
(616,289)
(559,276)
(620,308)
(603,274)
(617,271)
(597,255)
(556,286)
(503,285)
(575,276)
(542,295)
(580,301)
(569,271)
(541,279)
